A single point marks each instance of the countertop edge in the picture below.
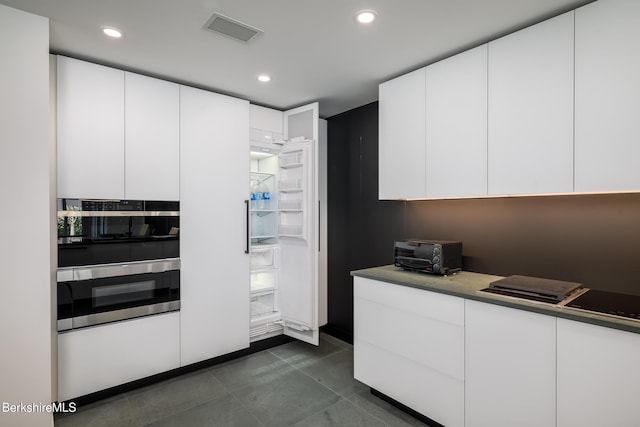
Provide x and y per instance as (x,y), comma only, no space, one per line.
(467,285)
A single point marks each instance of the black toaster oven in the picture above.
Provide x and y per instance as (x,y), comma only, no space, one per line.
(428,256)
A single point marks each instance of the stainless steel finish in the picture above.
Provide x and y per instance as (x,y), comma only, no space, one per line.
(113,316)
(572,296)
(65,275)
(73,213)
(65,324)
(70,274)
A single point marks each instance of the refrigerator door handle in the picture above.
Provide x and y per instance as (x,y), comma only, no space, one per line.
(246,251)
(319,226)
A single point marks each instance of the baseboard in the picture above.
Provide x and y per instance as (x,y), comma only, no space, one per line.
(404,408)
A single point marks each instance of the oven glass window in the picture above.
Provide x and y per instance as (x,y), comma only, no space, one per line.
(123,293)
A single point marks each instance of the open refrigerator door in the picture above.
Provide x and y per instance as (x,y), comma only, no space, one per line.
(289,292)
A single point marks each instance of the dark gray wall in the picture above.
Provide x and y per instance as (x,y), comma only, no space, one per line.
(361,229)
(593,239)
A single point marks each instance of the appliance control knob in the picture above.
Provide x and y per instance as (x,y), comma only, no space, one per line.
(436,250)
(436,260)
(436,268)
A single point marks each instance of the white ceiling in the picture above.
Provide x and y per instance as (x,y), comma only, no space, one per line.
(313,50)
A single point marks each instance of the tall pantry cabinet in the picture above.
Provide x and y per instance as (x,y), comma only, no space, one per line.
(214,147)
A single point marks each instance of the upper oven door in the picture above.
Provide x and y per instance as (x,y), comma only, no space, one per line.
(94,232)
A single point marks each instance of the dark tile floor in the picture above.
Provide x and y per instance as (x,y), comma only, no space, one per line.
(295,384)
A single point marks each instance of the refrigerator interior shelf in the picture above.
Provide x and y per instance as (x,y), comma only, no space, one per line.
(263,175)
(262,212)
(257,291)
(295,230)
(258,308)
(291,166)
(290,204)
(292,210)
(263,237)
(292,159)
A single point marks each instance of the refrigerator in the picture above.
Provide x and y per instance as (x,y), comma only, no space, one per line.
(287,228)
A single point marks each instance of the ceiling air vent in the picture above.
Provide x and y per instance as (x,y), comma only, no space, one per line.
(231,28)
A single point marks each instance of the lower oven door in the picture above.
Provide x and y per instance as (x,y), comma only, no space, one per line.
(94,301)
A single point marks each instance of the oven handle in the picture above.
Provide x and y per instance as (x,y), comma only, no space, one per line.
(246,251)
(72,274)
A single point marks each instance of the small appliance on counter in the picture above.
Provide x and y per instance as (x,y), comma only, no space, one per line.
(534,288)
(428,256)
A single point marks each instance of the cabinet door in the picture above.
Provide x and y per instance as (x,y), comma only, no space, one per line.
(607,96)
(456,111)
(597,376)
(510,367)
(214,291)
(93,359)
(90,119)
(152,137)
(531,109)
(409,345)
(402,137)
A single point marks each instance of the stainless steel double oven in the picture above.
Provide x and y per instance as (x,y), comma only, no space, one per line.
(117,259)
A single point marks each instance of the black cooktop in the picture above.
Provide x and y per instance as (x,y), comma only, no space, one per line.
(612,303)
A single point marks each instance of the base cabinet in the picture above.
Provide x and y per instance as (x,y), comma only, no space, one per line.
(510,360)
(597,376)
(409,345)
(97,358)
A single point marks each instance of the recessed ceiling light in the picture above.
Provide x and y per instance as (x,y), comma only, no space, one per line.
(112,32)
(365,16)
(264,78)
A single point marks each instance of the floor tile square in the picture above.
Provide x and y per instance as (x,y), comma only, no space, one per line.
(286,400)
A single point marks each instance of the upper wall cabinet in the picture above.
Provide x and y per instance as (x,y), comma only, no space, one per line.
(90,110)
(456,125)
(152,135)
(402,137)
(530,118)
(607,96)
(118,134)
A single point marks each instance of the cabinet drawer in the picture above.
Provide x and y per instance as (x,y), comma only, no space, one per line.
(422,340)
(424,390)
(431,305)
(97,358)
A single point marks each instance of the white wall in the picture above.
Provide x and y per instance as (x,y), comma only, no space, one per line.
(26,218)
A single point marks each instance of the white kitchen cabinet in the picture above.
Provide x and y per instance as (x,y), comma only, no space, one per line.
(152,138)
(409,345)
(510,367)
(530,101)
(607,96)
(456,125)
(597,376)
(90,122)
(96,358)
(214,160)
(402,137)
(118,134)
